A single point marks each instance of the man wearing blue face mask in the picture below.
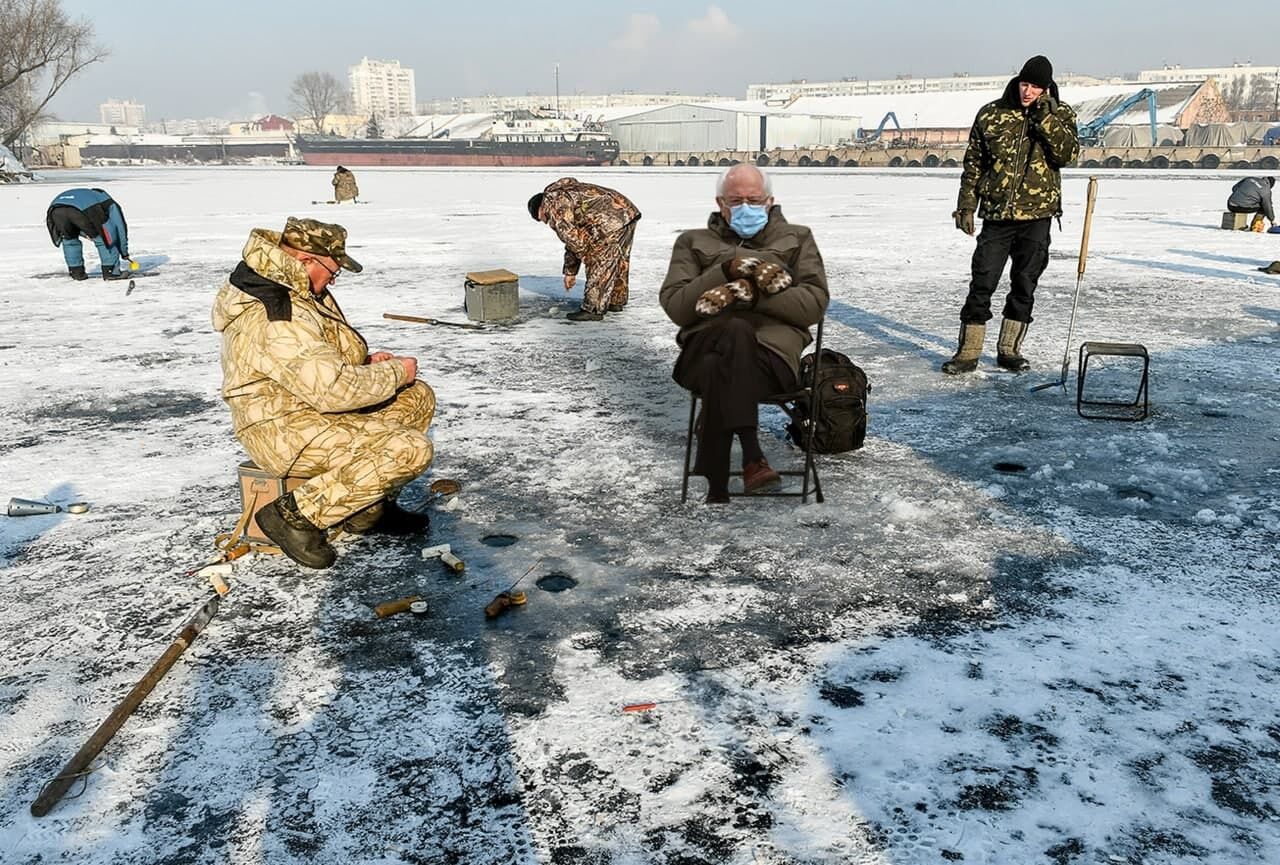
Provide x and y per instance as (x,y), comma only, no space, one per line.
(744,291)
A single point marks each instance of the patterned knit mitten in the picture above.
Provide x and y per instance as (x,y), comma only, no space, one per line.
(739,292)
(768,277)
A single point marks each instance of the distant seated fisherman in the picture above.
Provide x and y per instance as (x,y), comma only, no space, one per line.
(90,213)
(1253,195)
(597,227)
(344,185)
(307,398)
(744,291)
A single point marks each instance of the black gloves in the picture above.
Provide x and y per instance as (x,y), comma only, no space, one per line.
(1042,108)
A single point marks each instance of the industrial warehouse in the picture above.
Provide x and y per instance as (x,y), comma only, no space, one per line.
(1170,118)
(1179,125)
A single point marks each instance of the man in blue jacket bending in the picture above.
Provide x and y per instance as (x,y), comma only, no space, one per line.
(93,214)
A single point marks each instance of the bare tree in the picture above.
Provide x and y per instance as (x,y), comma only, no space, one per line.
(1234,95)
(316,95)
(41,49)
(1261,93)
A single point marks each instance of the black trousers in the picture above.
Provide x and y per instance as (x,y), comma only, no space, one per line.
(731,372)
(1026,242)
(1255,209)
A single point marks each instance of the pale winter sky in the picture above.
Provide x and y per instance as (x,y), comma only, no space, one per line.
(237,58)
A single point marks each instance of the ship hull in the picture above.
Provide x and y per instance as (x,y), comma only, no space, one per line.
(431,152)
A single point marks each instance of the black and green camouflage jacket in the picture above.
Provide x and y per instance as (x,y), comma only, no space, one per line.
(1011,169)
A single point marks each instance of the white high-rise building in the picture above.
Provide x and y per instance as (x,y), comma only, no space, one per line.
(382,88)
(122,112)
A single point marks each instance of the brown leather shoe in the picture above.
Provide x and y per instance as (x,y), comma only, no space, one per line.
(759,477)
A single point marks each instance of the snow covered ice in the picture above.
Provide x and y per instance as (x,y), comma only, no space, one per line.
(943,663)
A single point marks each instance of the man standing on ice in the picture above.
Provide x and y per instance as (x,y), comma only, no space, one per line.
(597,226)
(1017,148)
(308,400)
(95,215)
(744,291)
(344,185)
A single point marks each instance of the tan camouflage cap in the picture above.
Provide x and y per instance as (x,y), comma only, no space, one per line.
(319,238)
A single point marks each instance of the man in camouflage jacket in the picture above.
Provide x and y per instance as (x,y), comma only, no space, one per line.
(308,400)
(344,185)
(744,291)
(1011,177)
(597,226)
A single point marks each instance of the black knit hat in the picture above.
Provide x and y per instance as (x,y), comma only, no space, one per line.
(1038,71)
(535,204)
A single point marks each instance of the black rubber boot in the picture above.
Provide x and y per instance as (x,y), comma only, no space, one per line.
(585,315)
(387,518)
(110,273)
(77,272)
(294,534)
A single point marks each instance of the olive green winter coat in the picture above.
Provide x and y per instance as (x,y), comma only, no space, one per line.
(1012,166)
(782,321)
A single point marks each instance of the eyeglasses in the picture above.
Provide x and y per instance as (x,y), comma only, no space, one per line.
(333,272)
(757,202)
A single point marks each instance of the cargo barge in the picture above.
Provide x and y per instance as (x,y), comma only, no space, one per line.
(515,149)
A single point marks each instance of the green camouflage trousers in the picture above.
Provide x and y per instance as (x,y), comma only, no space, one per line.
(608,273)
(358,458)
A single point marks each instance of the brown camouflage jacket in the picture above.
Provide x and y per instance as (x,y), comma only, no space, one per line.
(289,357)
(586,218)
(344,186)
(1012,166)
(782,321)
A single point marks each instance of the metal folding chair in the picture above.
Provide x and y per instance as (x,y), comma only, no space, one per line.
(787,401)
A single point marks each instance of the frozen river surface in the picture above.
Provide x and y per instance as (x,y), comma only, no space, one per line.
(1076,663)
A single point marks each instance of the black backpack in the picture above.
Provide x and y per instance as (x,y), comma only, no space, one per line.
(841,393)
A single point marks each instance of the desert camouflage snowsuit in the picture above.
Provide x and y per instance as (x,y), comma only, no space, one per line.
(344,186)
(303,400)
(597,226)
(1012,179)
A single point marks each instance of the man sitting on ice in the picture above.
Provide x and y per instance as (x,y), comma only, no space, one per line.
(1253,195)
(307,398)
(744,291)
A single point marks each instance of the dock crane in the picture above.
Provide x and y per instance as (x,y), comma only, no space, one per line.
(1091,132)
(875,136)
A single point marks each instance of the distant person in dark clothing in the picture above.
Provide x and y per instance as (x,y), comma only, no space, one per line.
(1253,195)
(93,214)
